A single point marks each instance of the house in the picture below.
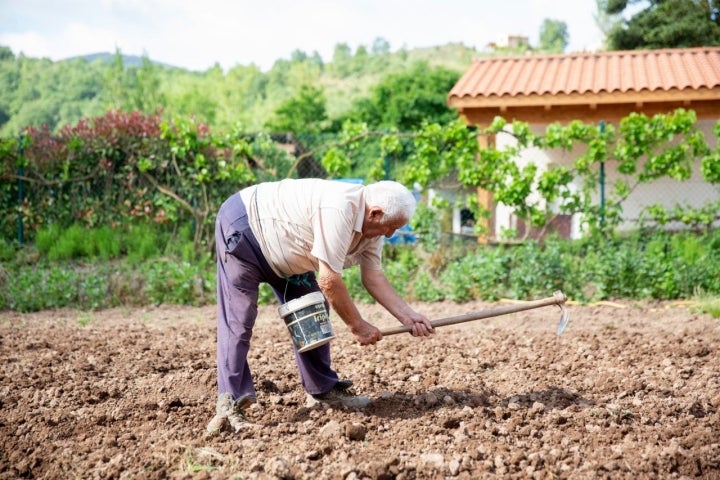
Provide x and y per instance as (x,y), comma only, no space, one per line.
(592,87)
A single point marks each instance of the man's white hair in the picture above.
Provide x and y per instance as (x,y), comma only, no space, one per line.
(394,198)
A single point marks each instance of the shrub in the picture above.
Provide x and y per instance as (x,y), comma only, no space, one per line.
(176,282)
(424,288)
(644,265)
(106,243)
(351,277)
(142,242)
(478,276)
(7,251)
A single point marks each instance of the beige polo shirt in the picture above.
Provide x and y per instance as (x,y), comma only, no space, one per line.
(300,221)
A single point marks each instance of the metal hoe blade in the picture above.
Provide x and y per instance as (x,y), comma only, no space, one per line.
(564,318)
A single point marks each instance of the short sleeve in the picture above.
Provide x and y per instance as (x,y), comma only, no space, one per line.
(333,233)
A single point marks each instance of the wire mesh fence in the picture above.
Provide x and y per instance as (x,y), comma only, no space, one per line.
(41,192)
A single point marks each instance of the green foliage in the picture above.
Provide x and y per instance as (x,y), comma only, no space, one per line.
(265,295)
(305,113)
(401,275)
(174,282)
(135,244)
(643,149)
(133,88)
(426,289)
(143,242)
(336,163)
(46,237)
(244,95)
(709,305)
(71,243)
(131,186)
(426,225)
(477,276)
(106,243)
(666,24)
(351,278)
(50,287)
(697,219)
(538,269)
(124,168)
(405,101)
(7,251)
(659,266)
(553,36)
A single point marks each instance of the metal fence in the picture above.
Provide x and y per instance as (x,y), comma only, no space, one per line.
(18,223)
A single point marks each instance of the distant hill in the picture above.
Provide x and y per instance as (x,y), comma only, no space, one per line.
(452,55)
(243,95)
(128,60)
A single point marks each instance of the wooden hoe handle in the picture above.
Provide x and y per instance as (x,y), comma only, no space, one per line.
(558,298)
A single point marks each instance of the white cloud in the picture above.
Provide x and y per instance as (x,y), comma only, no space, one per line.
(32,44)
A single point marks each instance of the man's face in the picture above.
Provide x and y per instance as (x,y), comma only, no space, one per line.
(376,225)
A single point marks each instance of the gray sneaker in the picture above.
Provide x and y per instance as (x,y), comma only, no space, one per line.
(341,395)
(230,414)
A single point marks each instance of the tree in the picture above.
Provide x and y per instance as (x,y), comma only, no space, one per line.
(605,21)
(134,88)
(341,60)
(197,103)
(148,97)
(666,24)
(298,56)
(6,54)
(316,60)
(406,100)
(380,46)
(302,114)
(553,36)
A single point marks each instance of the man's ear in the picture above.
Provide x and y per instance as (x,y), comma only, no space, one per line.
(375,213)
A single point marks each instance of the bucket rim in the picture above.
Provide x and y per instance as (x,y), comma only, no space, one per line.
(299,303)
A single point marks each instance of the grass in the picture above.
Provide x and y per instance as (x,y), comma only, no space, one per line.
(85,319)
(202,459)
(708,305)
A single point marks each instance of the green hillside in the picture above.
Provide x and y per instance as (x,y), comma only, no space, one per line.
(39,91)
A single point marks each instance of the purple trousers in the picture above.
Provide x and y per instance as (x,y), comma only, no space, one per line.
(241,267)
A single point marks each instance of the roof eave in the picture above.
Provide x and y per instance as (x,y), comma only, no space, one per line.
(601,98)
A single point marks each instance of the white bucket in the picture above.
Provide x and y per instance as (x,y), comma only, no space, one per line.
(308,321)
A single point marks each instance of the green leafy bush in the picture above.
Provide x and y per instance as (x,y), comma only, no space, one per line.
(33,289)
(176,282)
(7,251)
(481,275)
(142,242)
(425,289)
(641,266)
(351,277)
(106,243)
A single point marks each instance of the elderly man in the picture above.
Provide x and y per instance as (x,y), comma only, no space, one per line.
(282,233)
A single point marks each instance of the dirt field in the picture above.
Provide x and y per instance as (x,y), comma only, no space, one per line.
(629,392)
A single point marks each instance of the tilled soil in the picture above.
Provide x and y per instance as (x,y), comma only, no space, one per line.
(628,391)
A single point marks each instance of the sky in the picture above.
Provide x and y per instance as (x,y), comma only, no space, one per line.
(197,34)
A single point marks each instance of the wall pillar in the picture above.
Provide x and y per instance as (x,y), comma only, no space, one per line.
(485,197)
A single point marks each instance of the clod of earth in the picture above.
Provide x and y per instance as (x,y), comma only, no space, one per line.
(624,392)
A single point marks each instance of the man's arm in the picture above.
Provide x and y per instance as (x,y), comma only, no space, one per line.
(379,287)
(336,292)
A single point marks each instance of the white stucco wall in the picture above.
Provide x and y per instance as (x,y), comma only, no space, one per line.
(694,192)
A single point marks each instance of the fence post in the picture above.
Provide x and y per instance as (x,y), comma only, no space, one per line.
(602,182)
(21,193)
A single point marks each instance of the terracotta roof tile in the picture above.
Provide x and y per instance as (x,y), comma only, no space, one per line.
(623,71)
